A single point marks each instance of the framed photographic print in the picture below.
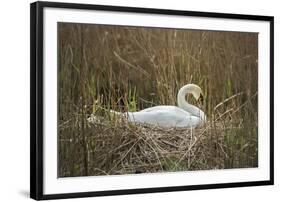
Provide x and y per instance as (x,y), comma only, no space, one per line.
(136,100)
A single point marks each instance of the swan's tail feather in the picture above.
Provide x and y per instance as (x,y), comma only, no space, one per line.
(95,119)
(116,113)
(98,119)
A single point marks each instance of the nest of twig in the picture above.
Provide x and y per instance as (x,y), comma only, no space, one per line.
(120,147)
(123,148)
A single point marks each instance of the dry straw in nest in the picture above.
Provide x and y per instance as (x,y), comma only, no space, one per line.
(123,148)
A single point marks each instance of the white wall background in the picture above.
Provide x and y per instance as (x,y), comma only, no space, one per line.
(14,100)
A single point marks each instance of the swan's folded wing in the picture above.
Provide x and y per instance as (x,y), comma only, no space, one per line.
(164,108)
(163,116)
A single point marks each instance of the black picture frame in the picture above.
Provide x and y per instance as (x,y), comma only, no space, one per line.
(37,99)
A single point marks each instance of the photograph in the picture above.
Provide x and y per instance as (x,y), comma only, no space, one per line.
(143,100)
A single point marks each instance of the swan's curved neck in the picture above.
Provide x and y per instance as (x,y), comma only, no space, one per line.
(183,104)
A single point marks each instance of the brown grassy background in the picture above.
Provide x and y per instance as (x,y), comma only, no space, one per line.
(128,69)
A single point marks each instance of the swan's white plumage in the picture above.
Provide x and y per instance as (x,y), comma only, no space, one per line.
(186,115)
(165,116)
(162,107)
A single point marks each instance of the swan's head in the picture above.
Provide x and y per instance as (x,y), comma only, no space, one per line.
(190,89)
(195,91)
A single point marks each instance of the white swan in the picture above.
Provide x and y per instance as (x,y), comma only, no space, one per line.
(185,115)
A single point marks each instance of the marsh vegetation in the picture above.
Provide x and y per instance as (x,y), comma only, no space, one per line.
(103,68)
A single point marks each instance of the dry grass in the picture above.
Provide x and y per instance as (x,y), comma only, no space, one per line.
(104,68)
